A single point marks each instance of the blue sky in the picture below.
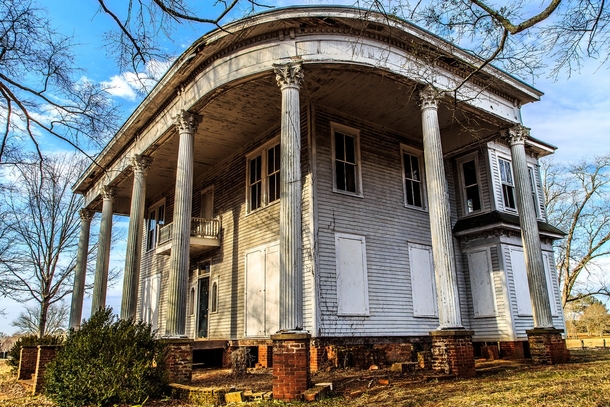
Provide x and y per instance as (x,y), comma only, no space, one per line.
(572,115)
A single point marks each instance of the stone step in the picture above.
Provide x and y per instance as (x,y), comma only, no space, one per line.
(317,392)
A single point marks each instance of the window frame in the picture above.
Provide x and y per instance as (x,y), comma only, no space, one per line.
(404,149)
(263,153)
(462,180)
(152,244)
(355,133)
(502,184)
(214,295)
(531,172)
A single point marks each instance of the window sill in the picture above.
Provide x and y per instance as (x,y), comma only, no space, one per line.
(347,193)
(262,208)
(417,208)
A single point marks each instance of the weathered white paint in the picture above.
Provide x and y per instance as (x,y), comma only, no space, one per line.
(100,284)
(150,300)
(519,272)
(423,288)
(529,229)
(80,272)
(352,282)
(262,291)
(481,283)
(549,284)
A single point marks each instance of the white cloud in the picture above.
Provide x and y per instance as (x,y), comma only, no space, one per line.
(131,85)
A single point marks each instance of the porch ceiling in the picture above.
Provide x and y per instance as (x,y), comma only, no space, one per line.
(234,117)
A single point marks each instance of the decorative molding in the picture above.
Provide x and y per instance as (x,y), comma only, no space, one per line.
(86,215)
(186,121)
(517,134)
(429,97)
(141,163)
(108,192)
(290,74)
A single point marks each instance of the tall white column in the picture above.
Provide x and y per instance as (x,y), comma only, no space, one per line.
(140,165)
(100,284)
(438,207)
(289,77)
(80,272)
(530,236)
(181,230)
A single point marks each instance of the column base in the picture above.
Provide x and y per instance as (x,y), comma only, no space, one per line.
(452,352)
(179,360)
(547,346)
(291,375)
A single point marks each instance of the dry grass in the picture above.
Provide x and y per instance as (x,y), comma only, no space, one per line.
(583,382)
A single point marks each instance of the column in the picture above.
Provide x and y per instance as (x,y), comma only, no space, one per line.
(438,207)
(103,251)
(289,77)
(80,272)
(181,230)
(131,277)
(534,265)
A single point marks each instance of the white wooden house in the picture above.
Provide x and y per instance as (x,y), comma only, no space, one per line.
(323,204)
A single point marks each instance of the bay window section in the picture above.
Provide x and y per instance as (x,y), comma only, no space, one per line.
(508,184)
(470,182)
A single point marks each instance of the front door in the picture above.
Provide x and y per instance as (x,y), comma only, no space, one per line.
(202,314)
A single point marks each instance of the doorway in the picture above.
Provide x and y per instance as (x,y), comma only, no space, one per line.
(203,307)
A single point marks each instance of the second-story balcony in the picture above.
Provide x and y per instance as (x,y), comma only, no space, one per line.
(204,235)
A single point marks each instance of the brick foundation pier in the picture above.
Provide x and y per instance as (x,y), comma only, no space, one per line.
(547,346)
(179,360)
(291,375)
(452,352)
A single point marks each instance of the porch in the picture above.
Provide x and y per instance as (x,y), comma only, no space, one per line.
(204,235)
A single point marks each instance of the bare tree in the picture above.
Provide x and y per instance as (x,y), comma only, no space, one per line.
(41,221)
(28,321)
(595,319)
(41,90)
(578,202)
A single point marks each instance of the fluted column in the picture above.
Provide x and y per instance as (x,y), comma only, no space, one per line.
(438,207)
(140,165)
(181,231)
(289,77)
(534,265)
(80,272)
(100,284)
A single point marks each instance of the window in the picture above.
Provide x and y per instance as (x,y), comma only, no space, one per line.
(481,283)
(470,185)
(533,185)
(192,301)
(156,220)
(214,297)
(412,165)
(346,159)
(508,185)
(264,177)
(423,288)
(352,284)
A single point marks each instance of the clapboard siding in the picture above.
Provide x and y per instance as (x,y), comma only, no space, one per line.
(240,232)
(380,215)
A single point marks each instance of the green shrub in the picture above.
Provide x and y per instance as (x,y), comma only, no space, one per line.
(14,354)
(108,361)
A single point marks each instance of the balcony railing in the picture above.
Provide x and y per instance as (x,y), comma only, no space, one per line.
(200,227)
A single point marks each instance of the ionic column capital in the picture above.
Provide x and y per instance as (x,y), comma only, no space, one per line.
(517,134)
(86,215)
(108,192)
(187,122)
(429,97)
(141,163)
(289,75)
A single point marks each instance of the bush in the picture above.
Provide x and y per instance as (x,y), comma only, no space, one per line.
(14,354)
(107,361)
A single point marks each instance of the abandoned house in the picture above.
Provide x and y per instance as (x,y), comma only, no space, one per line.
(329,174)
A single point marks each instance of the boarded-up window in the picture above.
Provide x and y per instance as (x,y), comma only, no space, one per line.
(522,291)
(352,284)
(549,283)
(150,300)
(481,283)
(262,291)
(423,289)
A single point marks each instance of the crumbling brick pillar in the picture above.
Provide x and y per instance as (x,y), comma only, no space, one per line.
(45,355)
(291,375)
(27,362)
(452,352)
(547,346)
(265,355)
(179,360)
(512,350)
(317,356)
